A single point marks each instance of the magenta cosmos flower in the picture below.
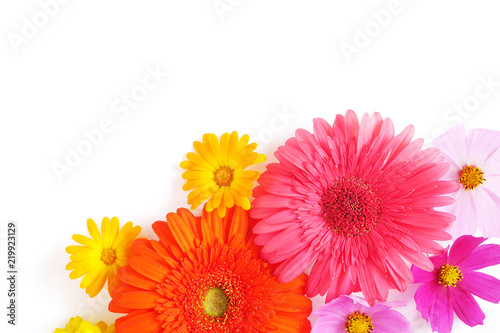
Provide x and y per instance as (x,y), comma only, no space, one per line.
(354,200)
(474,157)
(450,286)
(354,315)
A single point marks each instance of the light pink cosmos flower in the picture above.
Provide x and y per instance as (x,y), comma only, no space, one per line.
(353,199)
(450,286)
(353,314)
(474,158)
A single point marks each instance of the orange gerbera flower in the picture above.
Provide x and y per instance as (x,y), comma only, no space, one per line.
(204,275)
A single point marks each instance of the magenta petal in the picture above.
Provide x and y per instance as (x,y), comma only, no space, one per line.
(463,247)
(466,307)
(432,302)
(484,256)
(419,275)
(482,285)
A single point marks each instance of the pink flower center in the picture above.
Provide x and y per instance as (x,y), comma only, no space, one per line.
(449,275)
(350,207)
(471,177)
(359,323)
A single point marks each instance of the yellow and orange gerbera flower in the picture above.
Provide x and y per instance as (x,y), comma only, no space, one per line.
(217,172)
(204,275)
(78,325)
(100,257)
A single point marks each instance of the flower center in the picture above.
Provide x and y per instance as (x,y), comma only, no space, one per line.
(350,207)
(359,323)
(216,300)
(108,256)
(215,303)
(449,275)
(224,176)
(471,177)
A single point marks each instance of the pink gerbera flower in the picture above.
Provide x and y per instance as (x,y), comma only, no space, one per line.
(474,157)
(450,286)
(354,200)
(354,315)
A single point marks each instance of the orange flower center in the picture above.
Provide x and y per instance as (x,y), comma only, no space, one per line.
(359,323)
(449,275)
(215,303)
(350,206)
(223,176)
(219,289)
(108,256)
(471,177)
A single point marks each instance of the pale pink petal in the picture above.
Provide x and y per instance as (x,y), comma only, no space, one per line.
(483,145)
(488,212)
(451,144)
(390,321)
(465,211)
(335,314)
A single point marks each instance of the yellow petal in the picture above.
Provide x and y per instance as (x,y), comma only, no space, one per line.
(92,274)
(205,175)
(97,284)
(85,241)
(109,231)
(228,198)
(94,232)
(199,161)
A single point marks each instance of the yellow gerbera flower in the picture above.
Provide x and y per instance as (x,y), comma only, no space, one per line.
(100,257)
(78,325)
(218,172)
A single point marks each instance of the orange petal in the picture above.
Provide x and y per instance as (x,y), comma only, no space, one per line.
(149,268)
(138,299)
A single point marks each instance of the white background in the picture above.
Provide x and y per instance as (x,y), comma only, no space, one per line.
(231,70)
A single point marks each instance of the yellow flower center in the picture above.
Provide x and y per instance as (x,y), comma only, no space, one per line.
(449,275)
(359,323)
(224,176)
(215,303)
(471,177)
(108,256)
